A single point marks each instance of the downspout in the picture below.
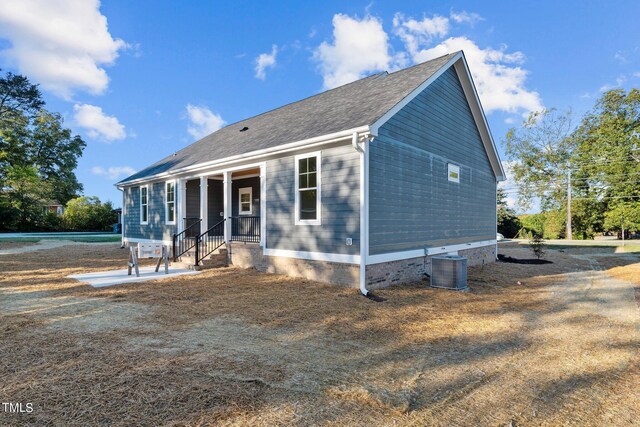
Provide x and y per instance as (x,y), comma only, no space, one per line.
(362,149)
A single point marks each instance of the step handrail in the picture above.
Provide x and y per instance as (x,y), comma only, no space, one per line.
(179,246)
(209,241)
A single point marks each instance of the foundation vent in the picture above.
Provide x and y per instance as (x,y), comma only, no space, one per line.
(449,272)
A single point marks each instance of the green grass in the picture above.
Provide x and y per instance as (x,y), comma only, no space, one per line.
(80,239)
(89,239)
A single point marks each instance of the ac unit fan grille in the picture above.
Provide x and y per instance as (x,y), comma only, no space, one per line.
(449,272)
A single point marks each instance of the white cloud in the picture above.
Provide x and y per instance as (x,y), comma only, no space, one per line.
(636,74)
(619,82)
(203,121)
(264,61)
(498,76)
(619,56)
(113,172)
(97,123)
(465,17)
(61,44)
(359,46)
(415,33)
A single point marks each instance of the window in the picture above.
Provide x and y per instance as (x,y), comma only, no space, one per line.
(308,189)
(454,172)
(144,205)
(170,208)
(244,201)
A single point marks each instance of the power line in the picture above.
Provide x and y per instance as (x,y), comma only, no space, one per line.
(546,189)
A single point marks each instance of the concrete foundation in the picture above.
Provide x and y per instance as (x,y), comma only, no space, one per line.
(377,275)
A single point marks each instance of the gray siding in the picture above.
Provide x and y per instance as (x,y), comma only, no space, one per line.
(215,201)
(340,205)
(193,199)
(412,204)
(156,229)
(239,183)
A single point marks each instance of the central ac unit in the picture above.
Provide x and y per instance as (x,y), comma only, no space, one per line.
(449,272)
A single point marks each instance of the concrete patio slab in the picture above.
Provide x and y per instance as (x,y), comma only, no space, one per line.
(101,279)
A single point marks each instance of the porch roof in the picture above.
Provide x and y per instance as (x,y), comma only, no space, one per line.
(356,104)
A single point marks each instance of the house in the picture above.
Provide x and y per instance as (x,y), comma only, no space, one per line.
(54,207)
(359,185)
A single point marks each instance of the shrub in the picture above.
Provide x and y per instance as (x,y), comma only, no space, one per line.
(537,245)
(89,214)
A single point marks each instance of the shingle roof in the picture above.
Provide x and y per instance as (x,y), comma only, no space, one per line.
(356,104)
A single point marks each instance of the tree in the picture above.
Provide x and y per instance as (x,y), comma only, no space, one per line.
(539,152)
(537,246)
(508,222)
(89,214)
(33,144)
(623,215)
(532,224)
(18,97)
(26,196)
(607,157)
(55,152)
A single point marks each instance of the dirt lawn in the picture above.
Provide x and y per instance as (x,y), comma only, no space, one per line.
(528,345)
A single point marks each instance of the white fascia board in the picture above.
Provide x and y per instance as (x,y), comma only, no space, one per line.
(419,253)
(460,247)
(407,99)
(314,256)
(254,155)
(394,256)
(462,69)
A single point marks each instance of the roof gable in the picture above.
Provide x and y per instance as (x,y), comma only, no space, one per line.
(459,63)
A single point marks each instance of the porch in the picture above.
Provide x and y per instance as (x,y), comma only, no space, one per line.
(217,209)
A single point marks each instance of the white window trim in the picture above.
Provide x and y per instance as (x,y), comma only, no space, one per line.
(318,220)
(249,191)
(147,205)
(166,203)
(455,169)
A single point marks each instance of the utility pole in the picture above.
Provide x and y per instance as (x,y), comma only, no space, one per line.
(569,234)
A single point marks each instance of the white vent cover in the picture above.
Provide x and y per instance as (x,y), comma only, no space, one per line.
(449,272)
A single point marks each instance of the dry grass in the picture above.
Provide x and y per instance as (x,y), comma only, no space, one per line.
(629,273)
(236,347)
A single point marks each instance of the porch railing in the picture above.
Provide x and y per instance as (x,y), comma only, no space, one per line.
(245,229)
(186,239)
(189,224)
(209,241)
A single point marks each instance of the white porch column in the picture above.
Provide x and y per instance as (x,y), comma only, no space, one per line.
(181,191)
(227,206)
(263,204)
(204,203)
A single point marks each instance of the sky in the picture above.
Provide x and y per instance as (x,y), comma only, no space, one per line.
(141,80)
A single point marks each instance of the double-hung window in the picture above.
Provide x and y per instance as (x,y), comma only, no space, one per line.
(244,200)
(307,198)
(170,208)
(453,172)
(144,205)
